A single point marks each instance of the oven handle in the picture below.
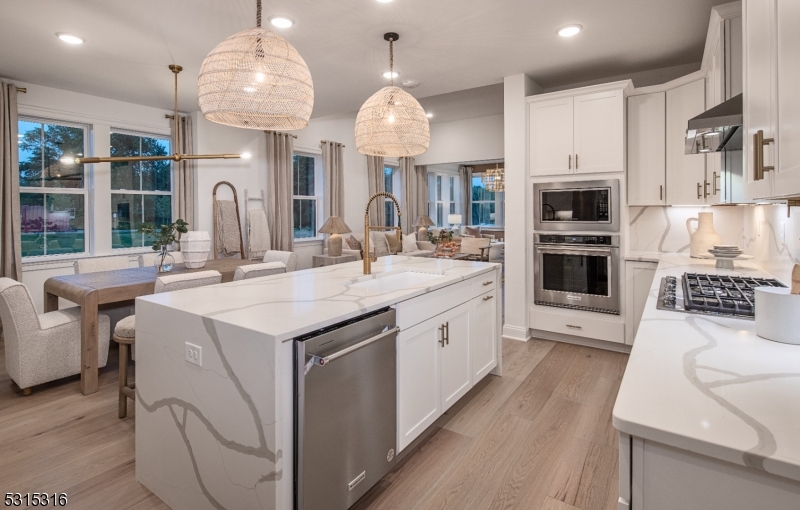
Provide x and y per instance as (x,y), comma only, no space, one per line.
(552,248)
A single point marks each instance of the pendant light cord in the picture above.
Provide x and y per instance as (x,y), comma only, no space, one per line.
(258,13)
(391,59)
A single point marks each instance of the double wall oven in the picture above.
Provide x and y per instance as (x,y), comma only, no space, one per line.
(576,245)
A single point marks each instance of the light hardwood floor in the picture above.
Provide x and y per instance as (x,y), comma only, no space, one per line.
(538,438)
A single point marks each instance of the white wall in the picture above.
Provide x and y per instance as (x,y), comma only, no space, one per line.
(477,139)
(663,229)
(773,238)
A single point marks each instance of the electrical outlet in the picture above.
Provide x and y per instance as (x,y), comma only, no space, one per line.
(193,354)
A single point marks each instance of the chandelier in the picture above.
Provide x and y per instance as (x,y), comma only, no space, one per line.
(494,179)
(255,79)
(174,157)
(391,122)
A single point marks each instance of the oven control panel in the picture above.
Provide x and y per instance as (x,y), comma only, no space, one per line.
(580,240)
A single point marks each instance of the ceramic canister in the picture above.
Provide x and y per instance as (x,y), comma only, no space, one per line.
(195,247)
(778,315)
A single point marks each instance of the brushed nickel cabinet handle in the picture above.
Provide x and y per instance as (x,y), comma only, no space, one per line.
(758,155)
(487,298)
(571,326)
(487,283)
(569,162)
(715,189)
(576,161)
(441,341)
(447,328)
(705,188)
(699,197)
(661,192)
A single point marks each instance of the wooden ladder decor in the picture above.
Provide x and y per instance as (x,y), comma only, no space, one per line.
(238,219)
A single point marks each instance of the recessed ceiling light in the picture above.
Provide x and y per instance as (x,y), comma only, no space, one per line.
(70,38)
(281,21)
(390,74)
(384,1)
(429,115)
(569,30)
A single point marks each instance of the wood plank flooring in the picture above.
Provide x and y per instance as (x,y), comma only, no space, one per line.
(538,438)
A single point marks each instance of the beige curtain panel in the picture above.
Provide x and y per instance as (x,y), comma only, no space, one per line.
(466,194)
(184,183)
(280,150)
(333,177)
(376,184)
(415,191)
(10,249)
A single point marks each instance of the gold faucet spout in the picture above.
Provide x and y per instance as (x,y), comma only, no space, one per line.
(367,253)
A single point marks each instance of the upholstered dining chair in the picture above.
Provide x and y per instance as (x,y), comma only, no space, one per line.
(476,248)
(149,259)
(287,257)
(43,347)
(258,270)
(115,311)
(125,332)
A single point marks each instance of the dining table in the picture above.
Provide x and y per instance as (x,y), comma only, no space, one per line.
(91,290)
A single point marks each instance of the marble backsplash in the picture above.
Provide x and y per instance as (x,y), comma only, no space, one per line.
(764,231)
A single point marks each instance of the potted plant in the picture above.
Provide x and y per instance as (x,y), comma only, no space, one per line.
(163,237)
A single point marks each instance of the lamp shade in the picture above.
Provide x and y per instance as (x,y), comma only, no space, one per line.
(255,79)
(391,123)
(424,221)
(335,225)
(454,219)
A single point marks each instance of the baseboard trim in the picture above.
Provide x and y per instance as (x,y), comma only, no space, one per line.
(579,340)
(516,333)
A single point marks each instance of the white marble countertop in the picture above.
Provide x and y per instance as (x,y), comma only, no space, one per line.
(711,385)
(292,304)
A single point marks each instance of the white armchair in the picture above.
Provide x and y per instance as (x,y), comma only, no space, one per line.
(287,257)
(258,270)
(43,347)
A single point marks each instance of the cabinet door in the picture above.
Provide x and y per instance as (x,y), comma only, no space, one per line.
(787,174)
(483,334)
(759,91)
(715,94)
(647,165)
(456,368)
(686,173)
(551,137)
(639,279)
(599,133)
(418,390)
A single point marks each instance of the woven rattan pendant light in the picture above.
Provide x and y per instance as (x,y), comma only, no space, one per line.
(255,79)
(391,122)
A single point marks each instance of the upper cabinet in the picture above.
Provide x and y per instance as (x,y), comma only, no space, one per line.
(578,132)
(647,151)
(686,174)
(771,102)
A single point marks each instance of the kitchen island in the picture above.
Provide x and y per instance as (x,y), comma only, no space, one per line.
(218,432)
(707,411)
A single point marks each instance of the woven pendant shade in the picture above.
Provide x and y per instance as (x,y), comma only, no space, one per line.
(391,123)
(255,79)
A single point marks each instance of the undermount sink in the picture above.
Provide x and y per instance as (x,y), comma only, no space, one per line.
(384,283)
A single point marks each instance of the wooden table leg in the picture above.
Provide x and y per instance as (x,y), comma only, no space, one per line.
(89,328)
(50,302)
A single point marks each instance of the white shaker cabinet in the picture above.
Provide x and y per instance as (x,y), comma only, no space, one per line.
(579,131)
(483,334)
(456,367)
(686,173)
(638,281)
(647,166)
(551,140)
(787,173)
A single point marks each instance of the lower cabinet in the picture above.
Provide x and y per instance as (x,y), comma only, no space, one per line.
(638,281)
(440,359)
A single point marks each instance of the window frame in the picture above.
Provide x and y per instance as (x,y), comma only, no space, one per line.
(444,184)
(397,186)
(88,234)
(316,197)
(145,248)
(498,201)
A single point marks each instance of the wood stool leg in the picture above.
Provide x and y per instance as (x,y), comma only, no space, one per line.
(27,391)
(123,379)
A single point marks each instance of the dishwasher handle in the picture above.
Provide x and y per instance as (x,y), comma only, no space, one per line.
(324,360)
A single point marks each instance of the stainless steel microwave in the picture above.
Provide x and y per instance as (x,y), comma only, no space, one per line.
(576,206)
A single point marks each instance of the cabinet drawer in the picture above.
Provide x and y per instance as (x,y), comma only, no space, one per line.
(578,324)
(484,283)
(422,308)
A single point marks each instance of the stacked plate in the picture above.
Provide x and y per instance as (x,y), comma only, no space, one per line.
(726,251)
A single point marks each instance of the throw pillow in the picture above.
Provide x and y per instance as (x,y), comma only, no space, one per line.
(395,245)
(378,241)
(474,231)
(409,243)
(353,243)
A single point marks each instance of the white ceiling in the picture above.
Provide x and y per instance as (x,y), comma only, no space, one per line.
(448,45)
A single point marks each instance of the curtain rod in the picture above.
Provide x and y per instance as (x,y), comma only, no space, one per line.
(22,89)
(279,133)
(331,141)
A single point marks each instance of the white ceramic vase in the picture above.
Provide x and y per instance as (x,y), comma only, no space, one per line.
(705,237)
(195,247)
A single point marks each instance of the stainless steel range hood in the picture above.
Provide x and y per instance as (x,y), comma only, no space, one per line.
(716,129)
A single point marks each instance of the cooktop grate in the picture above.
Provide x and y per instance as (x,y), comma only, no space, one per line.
(733,295)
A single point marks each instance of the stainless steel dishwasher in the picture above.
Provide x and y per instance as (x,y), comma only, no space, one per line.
(345,410)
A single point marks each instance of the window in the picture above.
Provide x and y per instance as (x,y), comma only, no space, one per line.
(445,194)
(484,203)
(391,183)
(52,188)
(140,191)
(305,199)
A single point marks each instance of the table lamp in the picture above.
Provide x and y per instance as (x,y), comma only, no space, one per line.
(454,219)
(335,226)
(423,222)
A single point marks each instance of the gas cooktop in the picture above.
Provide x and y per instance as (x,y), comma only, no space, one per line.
(712,294)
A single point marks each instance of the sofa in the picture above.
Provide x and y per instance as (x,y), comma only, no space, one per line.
(495,248)
(380,242)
